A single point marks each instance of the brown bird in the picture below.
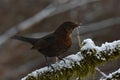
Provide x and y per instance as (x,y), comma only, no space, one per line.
(54,44)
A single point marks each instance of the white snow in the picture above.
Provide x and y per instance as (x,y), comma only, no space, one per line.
(35,73)
(89,44)
(111,75)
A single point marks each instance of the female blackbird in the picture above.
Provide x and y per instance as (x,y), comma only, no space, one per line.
(54,44)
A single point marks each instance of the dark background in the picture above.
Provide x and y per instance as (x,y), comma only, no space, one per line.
(100,21)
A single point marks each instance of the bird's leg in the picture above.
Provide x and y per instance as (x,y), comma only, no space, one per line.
(47,61)
(49,65)
(60,58)
(56,59)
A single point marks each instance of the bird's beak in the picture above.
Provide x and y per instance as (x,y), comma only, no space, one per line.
(77,24)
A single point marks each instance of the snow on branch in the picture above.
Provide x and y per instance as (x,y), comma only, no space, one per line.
(112,76)
(79,65)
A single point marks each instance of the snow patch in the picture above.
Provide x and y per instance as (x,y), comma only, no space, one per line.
(107,47)
(88,44)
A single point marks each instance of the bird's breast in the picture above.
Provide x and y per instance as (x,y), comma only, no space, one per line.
(66,42)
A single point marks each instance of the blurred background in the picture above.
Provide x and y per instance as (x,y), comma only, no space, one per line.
(100,20)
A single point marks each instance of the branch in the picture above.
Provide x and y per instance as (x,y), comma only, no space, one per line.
(100,25)
(78,65)
(48,11)
(112,76)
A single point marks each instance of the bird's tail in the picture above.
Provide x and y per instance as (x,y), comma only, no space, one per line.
(26,39)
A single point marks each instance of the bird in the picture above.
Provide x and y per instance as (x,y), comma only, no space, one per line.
(53,44)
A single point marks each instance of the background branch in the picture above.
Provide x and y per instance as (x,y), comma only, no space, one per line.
(50,10)
(112,76)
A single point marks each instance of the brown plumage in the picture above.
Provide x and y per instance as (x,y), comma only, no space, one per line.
(55,43)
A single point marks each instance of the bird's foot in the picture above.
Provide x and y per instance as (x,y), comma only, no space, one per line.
(50,66)
(61,59)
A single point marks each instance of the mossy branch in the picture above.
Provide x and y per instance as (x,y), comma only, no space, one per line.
(78,66)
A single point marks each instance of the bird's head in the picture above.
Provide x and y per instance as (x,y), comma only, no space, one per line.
(66,27)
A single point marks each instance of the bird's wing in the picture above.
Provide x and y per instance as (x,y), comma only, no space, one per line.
(41,44)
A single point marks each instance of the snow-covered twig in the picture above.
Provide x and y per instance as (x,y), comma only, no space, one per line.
(80,64)
(112,76)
